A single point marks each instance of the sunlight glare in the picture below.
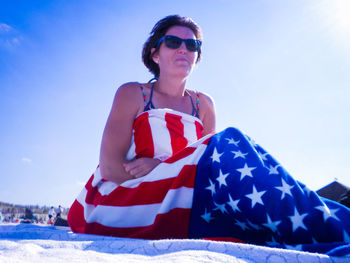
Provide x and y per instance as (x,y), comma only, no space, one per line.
(335,16)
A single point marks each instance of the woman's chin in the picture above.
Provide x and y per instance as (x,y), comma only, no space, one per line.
(183,71)
(182,74)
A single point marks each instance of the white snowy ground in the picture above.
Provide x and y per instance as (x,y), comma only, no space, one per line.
(30,243)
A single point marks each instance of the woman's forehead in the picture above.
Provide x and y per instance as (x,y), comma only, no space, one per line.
(181,31)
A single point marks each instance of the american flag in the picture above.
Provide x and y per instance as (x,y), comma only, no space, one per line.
(241,191)
(221,186)
(157,205)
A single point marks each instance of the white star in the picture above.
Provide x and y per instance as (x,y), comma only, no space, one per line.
(239,154)
(263,156)
(246,171)
(241,224)
(295,247)
(216,156)
(233,204)
(346,237)
(251,141)
(272,225)
(273,170)
(333,211)
(207,216)
(325,210)
(273,242)
(222,178)
(297,220)
(285,189)
(307,191)
(211,187)
(232,141)
(255,196)
(254,226)
(328,213)
(220,207)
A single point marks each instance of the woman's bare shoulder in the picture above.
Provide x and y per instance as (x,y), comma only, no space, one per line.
(128,96)
(129,87)
(130,91)
(204,98)
(206,111)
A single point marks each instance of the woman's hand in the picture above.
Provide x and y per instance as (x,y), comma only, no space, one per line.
(140,167)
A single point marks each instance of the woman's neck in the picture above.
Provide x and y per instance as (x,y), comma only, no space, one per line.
(172,87)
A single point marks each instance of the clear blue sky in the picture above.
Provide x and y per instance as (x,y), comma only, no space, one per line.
(278,70)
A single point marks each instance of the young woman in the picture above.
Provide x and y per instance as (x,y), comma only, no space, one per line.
(164,174)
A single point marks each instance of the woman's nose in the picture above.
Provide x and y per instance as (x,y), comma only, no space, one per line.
(182,47)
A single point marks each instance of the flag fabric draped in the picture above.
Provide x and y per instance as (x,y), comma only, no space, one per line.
(153,207)
(157,205)
(221,186)
(241,191)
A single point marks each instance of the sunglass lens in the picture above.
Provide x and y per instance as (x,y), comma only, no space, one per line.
(191,45)
(173,42)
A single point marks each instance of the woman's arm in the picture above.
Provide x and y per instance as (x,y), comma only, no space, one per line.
(118,132)
(207,113)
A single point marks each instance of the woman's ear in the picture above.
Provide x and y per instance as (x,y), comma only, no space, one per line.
(155,56)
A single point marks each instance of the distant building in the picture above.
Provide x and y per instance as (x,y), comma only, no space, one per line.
(336,192)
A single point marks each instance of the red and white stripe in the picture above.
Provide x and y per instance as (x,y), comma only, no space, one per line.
(160,133)
(157,205)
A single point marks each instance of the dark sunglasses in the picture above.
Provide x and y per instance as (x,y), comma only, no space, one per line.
(174,42)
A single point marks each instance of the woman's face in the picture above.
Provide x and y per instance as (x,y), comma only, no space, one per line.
(177,62)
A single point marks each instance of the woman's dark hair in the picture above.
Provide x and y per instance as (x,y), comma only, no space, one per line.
(158,31)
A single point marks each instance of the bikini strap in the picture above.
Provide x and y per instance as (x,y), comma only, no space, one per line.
(195,108)
(143,94)
(197,103)
(148,105)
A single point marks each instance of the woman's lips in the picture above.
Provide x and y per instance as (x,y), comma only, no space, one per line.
(181,59)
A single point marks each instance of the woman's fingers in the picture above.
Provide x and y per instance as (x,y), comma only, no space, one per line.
(131,165)
(140,167)
(140,174)
(135,168)
(137,171)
